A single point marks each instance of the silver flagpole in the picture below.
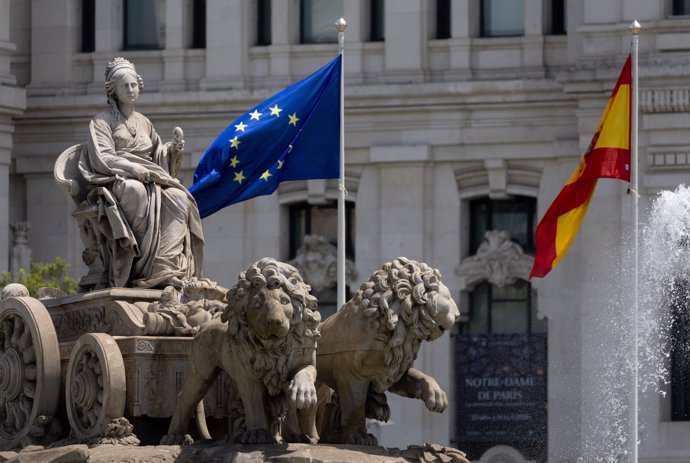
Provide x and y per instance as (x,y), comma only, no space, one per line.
(635,31)
(341,25)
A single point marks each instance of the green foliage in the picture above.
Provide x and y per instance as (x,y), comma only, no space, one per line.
(44,274)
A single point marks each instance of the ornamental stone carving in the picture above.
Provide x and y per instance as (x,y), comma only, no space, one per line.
(182,313)
(498,260)
(317,261)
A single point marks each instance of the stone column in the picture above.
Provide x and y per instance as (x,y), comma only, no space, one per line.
(12,103)
(6,129)
(406,31)
(285,24)
(177,28)
(21,252)
(403,189)
(227,45)
(464,24)
(357,14)
(109,39)
(54,26)
(533,41)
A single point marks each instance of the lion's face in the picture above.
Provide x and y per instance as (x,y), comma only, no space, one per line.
(269,313)
(447,314)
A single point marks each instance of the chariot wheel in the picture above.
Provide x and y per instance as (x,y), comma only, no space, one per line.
(29,368)
(95,387)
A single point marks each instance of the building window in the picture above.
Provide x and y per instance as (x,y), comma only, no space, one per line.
(558,17)
(376,21)
(263,32)
(502,18)
(317,20)
(506,309)
(88,26)
(503,310)
(310,219)
(322,220)
(144,24)
(442,19)
(516,216)
(681,7)
(199,24)
(501,353)
(680,351)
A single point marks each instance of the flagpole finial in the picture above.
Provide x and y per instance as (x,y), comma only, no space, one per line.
(634,27)
(341,25)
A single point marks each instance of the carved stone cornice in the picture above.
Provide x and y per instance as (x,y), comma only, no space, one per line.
(498,261)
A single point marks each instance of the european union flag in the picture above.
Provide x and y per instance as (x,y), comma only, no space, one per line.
(294,135)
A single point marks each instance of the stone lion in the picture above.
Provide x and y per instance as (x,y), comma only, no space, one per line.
(368,347)
(266,341)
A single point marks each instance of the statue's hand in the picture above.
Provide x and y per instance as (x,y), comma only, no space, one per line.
(433,396)
(141,173)
(302,391)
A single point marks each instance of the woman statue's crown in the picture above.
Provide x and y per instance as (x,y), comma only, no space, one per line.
(116,64)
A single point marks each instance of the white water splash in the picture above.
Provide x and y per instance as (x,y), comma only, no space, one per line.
(664,282)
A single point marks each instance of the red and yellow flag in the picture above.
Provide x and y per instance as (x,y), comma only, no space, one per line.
(608,156)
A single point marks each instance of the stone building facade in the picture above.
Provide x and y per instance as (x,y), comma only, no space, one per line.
(462,117)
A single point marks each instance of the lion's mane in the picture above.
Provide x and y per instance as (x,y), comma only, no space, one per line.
(400,299)
(271,366)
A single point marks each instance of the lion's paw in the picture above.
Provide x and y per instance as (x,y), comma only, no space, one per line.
(434,397)
(258,436)
(377,406)
(177,439)
(359,438)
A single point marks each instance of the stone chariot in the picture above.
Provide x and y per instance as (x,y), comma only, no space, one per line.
(84,362)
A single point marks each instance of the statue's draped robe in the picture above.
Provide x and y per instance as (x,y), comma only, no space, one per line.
(163,238)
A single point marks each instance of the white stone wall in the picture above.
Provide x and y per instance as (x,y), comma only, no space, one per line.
(430,124)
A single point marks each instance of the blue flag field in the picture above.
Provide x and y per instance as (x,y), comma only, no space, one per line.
(294,135)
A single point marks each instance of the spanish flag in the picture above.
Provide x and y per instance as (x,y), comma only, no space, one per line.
(608,156)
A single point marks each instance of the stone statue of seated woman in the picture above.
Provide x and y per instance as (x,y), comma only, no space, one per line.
(140,225)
